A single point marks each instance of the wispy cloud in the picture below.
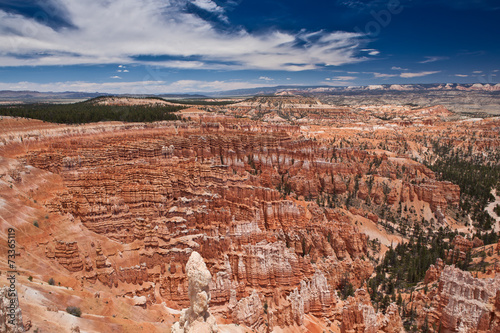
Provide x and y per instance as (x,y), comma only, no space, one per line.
(342,78)
(398,68)
(208,5)
(419,74)
(371,52)
(432,59)
(115,77)
(477,72)
(462,75)
(383,75)
(265,78)
(120,31)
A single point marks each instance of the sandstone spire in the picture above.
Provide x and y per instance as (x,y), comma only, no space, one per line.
(197,318)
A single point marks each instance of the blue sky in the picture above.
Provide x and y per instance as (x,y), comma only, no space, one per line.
(167,46)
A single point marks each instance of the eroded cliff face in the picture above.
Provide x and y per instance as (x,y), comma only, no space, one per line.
(460,303)
(116,178)
(359,316)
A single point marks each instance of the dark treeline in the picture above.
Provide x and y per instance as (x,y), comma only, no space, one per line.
(86,112)
(406,264)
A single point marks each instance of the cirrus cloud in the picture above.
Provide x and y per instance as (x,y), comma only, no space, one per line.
(432,59)
(341,78)
(383,75)
(419,74)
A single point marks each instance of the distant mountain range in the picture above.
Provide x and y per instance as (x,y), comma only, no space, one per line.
(283,90)
(26,95)
(35,96)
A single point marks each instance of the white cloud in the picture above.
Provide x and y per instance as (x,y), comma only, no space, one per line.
(265,78)
(461,75)
(371,52)
(383,75)
(134,87)
(398,68)
(343,78)
(477,72)
(207,5)
(432,59)
(115,77)
(118,31)
(419,74)
(211,6)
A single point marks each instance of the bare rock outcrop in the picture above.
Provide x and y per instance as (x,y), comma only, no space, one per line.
(67,254)
(460,248)
(462,244)
(476,242)
(250,311)
(434,271)
(11,319)
(358,316)
(465,303)
(495,322)
(197,318)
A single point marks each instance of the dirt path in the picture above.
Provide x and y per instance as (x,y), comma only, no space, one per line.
(490,211)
